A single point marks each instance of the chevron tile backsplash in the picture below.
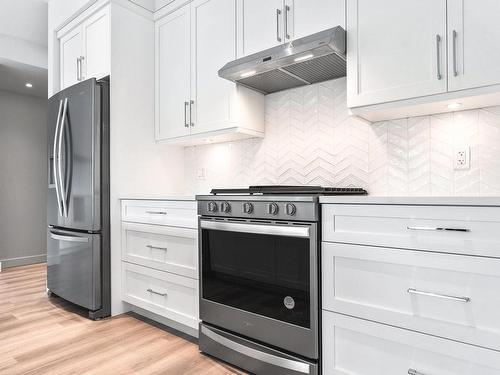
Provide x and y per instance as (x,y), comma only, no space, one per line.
(311,139)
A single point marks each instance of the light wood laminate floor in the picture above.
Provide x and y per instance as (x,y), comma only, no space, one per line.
(42,335)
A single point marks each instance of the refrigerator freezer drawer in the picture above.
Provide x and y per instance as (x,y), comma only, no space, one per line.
(74,267)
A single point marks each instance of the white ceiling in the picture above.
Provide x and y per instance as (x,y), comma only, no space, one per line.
(25,19)
(15,75)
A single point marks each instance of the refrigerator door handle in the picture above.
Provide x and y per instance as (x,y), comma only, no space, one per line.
(61,237)
(55,159)
(59,159)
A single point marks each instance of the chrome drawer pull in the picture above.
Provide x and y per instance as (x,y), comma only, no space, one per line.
(157,293)
(439,229)
(438,295)
(414,372)
(156,212)
(156,247)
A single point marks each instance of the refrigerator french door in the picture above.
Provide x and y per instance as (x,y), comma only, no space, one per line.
(78,196)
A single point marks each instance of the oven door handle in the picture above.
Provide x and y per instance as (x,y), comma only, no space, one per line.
(301,231)
(257,354)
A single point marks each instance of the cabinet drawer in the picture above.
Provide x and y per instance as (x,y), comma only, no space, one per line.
(358,347)
(172,296)
(170,249)
(455,229)
(453,296)
(173,213)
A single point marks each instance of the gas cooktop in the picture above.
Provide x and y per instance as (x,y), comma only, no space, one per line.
(290,190)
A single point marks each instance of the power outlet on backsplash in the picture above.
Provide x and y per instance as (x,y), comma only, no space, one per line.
(462,158)
(201,174)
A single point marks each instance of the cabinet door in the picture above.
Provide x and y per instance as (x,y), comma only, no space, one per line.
(474,32)
(213,45)
(71,49)
(396,49)
(96,32)
(261,26)
(173,74)
(306,17)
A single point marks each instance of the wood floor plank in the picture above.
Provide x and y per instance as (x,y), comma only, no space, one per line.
(47,335)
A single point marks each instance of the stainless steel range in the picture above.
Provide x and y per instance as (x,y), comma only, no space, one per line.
(260,277)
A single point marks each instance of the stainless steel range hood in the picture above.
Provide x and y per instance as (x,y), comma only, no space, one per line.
(314,58)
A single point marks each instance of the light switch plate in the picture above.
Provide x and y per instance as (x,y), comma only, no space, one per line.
(461,159)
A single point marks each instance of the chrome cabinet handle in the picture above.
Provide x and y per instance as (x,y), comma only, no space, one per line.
(287,11)
(439,229)
(278,16)
(81,68)
(157,293)
(191,104)
(272,230)
(438,56)
(61,237)
(455,36)
(156,212)
(78,69)
(156,247)
(438,295)
(412,371)
(59,157)
(186,124)
(56,157)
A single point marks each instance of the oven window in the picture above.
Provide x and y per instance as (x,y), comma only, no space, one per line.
(263,274)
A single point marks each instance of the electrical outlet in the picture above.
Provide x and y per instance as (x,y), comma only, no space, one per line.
(462,158)
(201,174)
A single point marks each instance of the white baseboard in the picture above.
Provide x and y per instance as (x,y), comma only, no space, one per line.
(23,261)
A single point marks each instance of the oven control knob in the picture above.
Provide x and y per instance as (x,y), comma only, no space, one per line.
(291,209)
(273,208)
(247,208)
(212,207)
(225,207)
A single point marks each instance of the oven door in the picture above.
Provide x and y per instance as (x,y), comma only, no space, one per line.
(260,279)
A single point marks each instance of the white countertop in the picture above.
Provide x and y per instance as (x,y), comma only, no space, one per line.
(434,201)
(161,198)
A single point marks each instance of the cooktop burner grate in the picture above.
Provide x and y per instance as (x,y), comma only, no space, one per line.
(284,189)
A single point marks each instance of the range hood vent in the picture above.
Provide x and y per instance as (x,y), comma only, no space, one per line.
(312,59)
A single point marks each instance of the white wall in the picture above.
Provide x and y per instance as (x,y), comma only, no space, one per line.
(139,166)
(311,139)
(23,181)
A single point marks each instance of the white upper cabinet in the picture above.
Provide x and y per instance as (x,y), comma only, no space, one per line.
(268,23)
(70,47)
(173,72)
(193,104)
(84,49)
(473,35)
(396,50)
(97,45)
(306,17)
(262,25)
(213,45)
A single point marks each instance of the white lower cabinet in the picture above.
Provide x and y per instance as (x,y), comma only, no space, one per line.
(410,289)
(169,295)
(160,259)
(359,347)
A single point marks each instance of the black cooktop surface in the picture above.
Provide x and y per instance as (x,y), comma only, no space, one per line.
(284,189)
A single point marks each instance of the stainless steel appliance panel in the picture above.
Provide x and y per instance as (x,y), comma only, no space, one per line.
(74,267)
(251,356)
(74,141)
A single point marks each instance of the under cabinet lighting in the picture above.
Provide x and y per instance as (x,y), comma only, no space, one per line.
(29,85)
(454,105)
(305,57)
(248,74)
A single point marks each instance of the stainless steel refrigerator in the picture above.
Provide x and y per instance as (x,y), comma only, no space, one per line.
(78,245)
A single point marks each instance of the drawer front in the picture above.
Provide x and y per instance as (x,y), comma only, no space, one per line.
(173,213)
(170,249)
(464,230)
(358,347)
(171,296)
(453,296)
